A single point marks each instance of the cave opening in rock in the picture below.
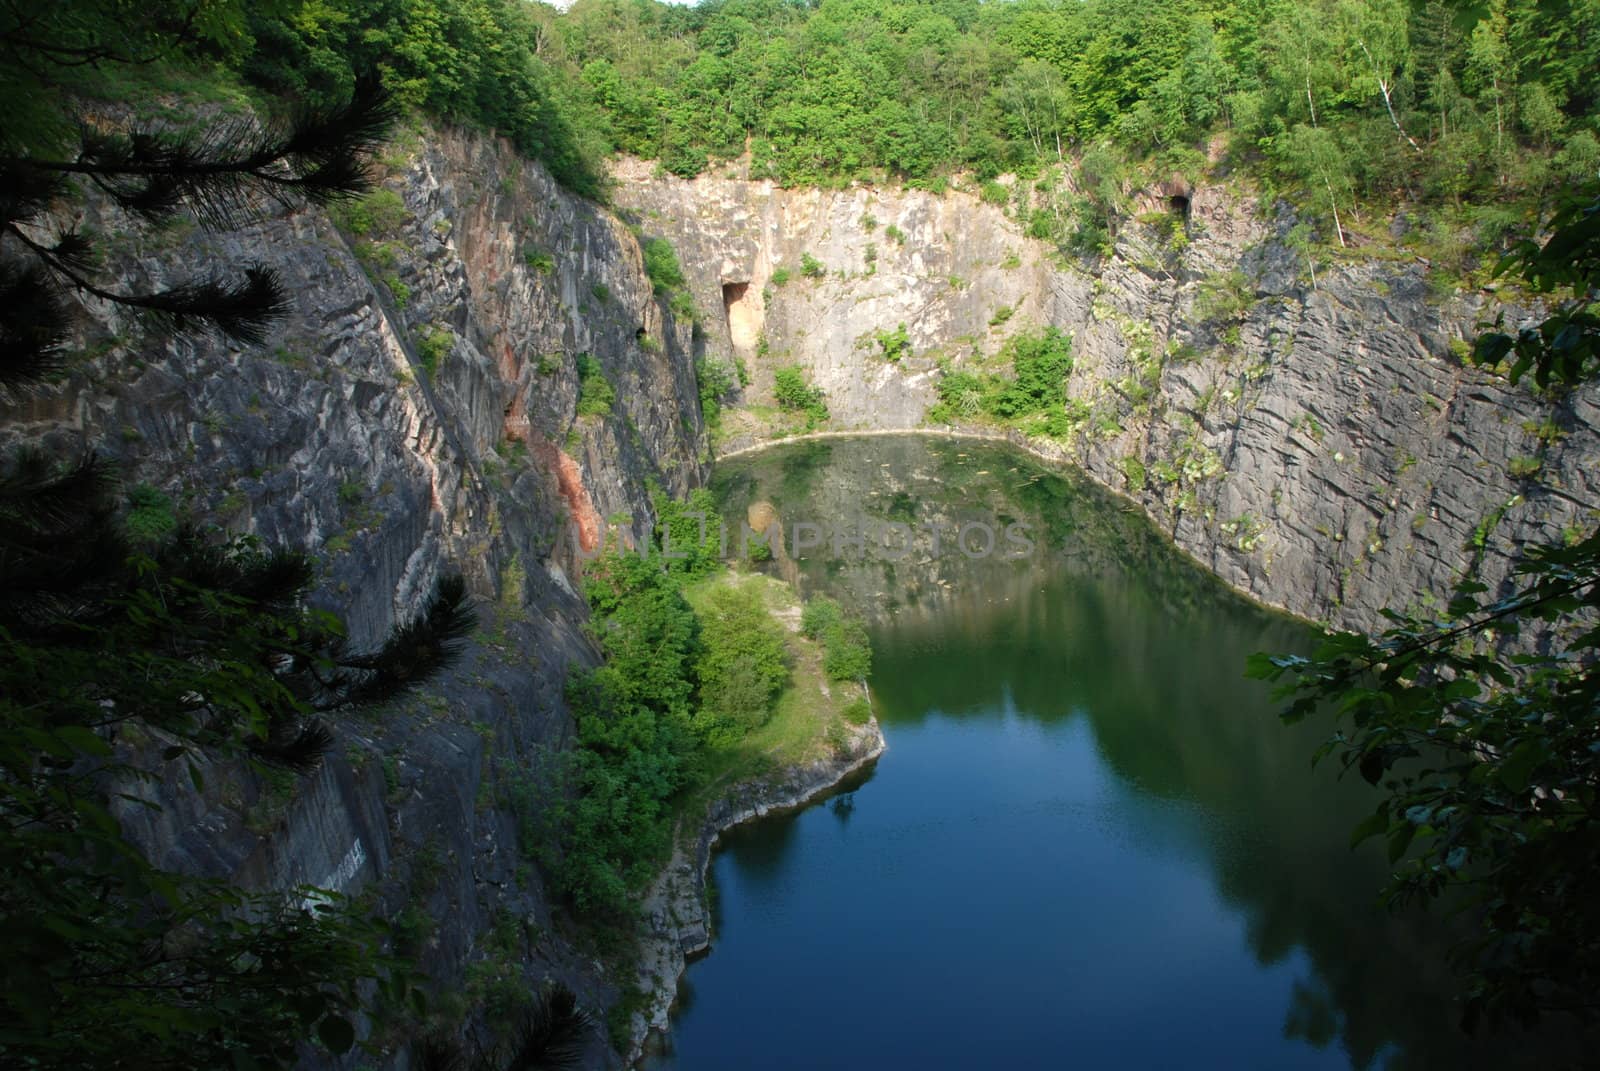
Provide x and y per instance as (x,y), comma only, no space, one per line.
(744,314)
(1179,203)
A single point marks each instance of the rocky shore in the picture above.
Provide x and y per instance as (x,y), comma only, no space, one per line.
(676,923)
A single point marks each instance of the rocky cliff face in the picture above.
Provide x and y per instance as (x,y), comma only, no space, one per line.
(1319,447)
(417,412)
(423,425)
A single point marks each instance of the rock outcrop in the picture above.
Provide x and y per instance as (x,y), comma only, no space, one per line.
(400,429)
(417,413)
(1319,447)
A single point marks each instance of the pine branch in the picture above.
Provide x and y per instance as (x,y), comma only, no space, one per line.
(225,173)
(300,748)
(33,329)
(552,1033)
(239,310)
(413,652)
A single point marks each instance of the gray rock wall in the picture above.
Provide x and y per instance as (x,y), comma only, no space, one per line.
(1320,450)
(334,437)
(1318,447)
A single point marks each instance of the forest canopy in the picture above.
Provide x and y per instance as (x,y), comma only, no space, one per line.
(1343,99)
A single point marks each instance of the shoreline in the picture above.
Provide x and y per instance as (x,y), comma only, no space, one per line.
(677,923)
(1059,458)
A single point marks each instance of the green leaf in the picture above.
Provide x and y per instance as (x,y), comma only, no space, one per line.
(1369,827)
(1400,840)
(1518,767)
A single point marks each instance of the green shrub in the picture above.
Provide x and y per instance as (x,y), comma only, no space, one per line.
(1041,361)
(661,264)
(994,194)
(1001,315)
(1524,468)
(894,345)
(538,260)
(151,515)
(858,711)
(596,395)
(715,381)
(847,654)
(895,233)
(601,292)
(1133,474)
(819,615)
(794,394)
(811,267)
(781,276)
(1223,296)
(744,664)
(433,344)
(379,212)
(961,397)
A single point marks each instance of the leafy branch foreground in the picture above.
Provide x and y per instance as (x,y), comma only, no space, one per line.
(1490,760)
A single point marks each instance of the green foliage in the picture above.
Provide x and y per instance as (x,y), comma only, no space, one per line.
(1340,104)
(596,395)
(847,653)
(1565,348)
(795,394)
(858,711)
(601,292)
(690,534)
(716,381)
(894,233)
(1488,758)
(961,397)
(1133,473)
(1041,361)
(151,515)
(378,214)
(538,260)
(474,61)
(894,345)
(811,267)
(661,264)
(635,741)
(433,345)
(676,686)
(744,664)
(780,276)
(1223,297)
(1034,398)
(1490,769)
(1001,315)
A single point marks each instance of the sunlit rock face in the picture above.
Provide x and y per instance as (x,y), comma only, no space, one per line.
(416,413)
(1320,447)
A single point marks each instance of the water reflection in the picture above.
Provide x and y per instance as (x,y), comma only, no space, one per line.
(1090,835)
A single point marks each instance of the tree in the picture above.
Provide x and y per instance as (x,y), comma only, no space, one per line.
(1486,746)
(138,651)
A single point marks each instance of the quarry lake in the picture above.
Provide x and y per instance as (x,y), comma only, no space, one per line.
(1091,842)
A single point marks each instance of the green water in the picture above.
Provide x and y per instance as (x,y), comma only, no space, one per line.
(1090,844)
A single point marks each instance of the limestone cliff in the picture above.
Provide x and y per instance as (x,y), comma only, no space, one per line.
(397,431)
(417,412)
(1317,446)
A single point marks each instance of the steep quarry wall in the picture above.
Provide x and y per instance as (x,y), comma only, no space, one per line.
(417,412)
(1318,446)
(335,436)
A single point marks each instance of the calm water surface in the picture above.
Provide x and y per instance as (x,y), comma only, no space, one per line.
(1091,843)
